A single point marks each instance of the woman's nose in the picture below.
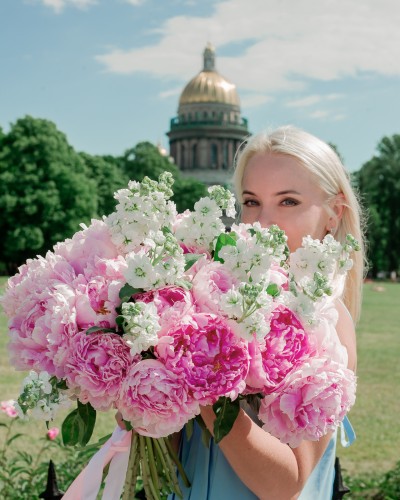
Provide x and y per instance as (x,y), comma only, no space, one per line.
(265,218)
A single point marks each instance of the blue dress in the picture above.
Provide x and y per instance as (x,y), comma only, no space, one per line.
(212,478)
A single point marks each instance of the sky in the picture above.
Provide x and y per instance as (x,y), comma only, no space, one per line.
(109,73)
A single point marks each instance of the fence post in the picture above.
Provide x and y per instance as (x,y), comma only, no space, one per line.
(51,492)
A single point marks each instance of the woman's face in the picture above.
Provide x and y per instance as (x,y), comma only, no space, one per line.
(276,189)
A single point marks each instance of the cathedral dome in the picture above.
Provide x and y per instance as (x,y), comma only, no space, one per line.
(209,86)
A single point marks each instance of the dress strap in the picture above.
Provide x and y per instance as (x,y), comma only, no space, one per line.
(347,434)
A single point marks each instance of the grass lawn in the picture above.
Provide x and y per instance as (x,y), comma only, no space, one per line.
(374,417)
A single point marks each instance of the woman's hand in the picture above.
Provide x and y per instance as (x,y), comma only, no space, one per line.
(120,420)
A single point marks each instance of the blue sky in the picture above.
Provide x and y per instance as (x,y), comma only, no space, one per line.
(109,72)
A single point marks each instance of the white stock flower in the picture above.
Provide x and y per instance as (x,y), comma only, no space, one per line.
(40,397)
(140,272)
(141,325)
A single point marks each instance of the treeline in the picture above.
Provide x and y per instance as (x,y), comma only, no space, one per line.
(47,189)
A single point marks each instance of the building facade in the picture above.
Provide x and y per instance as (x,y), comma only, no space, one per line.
(209,128)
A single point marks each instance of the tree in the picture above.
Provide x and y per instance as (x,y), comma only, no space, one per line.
(45,190)
(145,159)
(109,177)
(379,183)
(186,192)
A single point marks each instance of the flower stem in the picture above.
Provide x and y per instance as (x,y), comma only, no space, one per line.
(170,452)
(131,473)
(149,488)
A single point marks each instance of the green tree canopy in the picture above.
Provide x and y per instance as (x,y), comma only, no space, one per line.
(109,177)
(145,159)
(45,190)
(379,184)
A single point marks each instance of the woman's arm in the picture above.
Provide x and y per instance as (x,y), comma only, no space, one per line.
(270,469)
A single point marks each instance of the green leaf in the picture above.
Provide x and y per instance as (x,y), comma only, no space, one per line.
(273,289)
(78,426)
(226,412)
(223,240)
(62,384)
(16,436)
(189,428)
(128,425)
(88,414)
(191,259)
(119,320)
(127,291)
(99,329)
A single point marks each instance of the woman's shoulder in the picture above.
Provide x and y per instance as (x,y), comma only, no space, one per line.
(346,332)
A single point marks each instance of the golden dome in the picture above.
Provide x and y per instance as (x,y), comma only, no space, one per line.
(209,85)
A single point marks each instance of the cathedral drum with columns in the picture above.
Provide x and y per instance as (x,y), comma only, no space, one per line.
(209,129)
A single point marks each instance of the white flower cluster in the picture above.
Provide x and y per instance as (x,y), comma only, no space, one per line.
(224,199)
(202,226)
(141,209)
(252,257)
(159,263)
(316,270)
(140,324)
(40,397)
(248,307)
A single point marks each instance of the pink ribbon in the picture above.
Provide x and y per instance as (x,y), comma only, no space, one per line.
(87,485)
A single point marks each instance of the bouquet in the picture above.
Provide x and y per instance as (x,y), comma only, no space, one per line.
(155,313)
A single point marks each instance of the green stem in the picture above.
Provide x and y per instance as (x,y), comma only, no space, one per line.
(131,473)
(172,454)
(4,449)
(152,464)
(162,462)
(151,492)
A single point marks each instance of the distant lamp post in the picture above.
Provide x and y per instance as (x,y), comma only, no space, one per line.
(52,492)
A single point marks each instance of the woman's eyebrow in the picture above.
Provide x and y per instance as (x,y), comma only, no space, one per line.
(279,193)
(287,191)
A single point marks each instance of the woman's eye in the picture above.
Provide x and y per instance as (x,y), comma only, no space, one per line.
(250,203)
(289,202)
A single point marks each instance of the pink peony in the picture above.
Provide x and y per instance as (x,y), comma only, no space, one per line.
(209,283)
(96,367)
(86,245)
(172,304)
(52,433)
(287,345)
(155,400)
(44,321)
(313,401)
(204,352)
(48,304)
(8,408)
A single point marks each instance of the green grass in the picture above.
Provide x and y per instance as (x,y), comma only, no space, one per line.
(374,417)
(375,414)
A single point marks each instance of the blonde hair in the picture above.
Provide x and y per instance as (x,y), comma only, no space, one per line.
(329,173)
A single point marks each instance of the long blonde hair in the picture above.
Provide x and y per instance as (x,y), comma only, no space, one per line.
(329,173)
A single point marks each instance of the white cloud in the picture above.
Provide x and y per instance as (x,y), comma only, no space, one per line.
(324,114)
(59,5)
(135,3)
(285,44)
(252,100)
(310,100)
